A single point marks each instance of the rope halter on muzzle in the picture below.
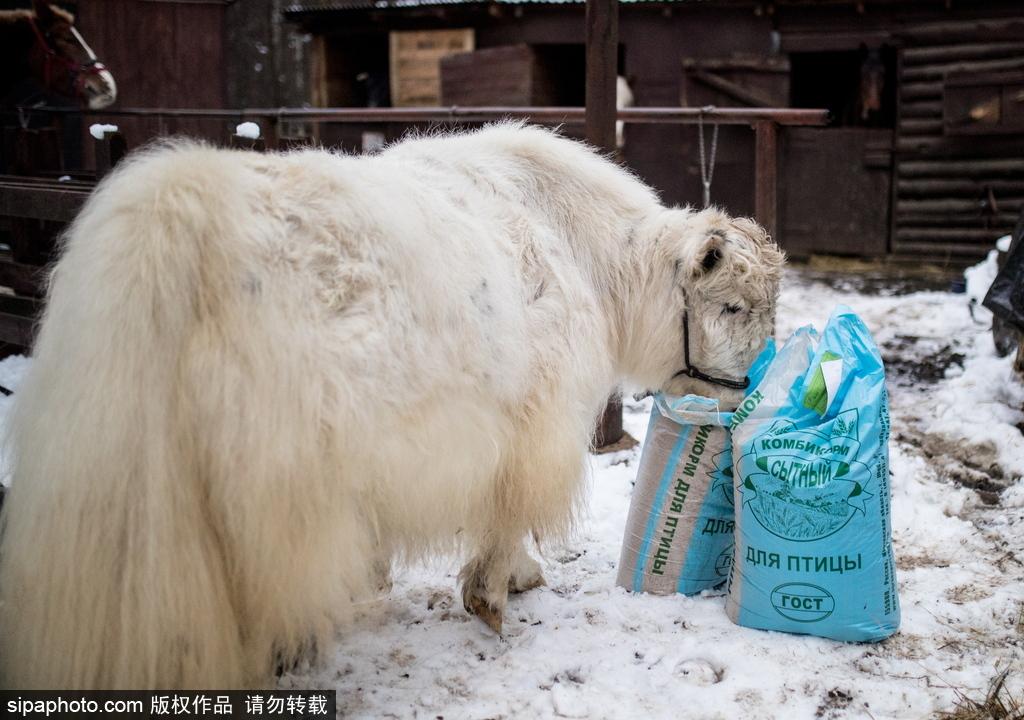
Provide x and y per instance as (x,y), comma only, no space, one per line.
(691,371)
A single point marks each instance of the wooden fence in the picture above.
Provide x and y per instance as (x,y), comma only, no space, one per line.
(34,210)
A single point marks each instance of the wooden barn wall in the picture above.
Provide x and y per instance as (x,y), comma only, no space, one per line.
(954,193)
(654,41)
(943,185)
(162,53)
(923,191)
(657,41)
(267,58)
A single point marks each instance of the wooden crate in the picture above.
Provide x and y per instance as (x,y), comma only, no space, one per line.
(509,75)
(415,63)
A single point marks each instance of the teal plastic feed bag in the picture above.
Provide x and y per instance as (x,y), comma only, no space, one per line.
(679,532)
(813,538)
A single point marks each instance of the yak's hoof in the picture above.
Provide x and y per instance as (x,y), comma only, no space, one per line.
(382,577)
(515,585)
(491,616)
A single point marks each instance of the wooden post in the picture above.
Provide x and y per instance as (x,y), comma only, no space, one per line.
(609,435)
(766,175)
(109,152)
(244,143)
(602,68)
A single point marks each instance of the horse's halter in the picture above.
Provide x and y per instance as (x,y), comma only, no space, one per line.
(693,372)
(80,72)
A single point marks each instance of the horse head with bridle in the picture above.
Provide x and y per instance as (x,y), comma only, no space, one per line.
(45,57)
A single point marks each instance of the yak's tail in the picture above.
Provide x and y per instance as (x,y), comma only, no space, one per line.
(176,516)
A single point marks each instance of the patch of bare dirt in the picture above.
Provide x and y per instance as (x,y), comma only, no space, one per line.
(912,361)
(963,594)
(834,704)
(970,465)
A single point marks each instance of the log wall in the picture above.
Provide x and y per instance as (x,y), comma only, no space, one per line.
(954,192)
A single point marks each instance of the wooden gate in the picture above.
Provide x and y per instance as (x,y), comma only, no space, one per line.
(835,191)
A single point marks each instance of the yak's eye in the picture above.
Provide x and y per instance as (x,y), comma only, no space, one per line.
(732,309)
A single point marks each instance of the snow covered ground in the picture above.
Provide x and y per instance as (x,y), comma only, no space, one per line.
(583,648)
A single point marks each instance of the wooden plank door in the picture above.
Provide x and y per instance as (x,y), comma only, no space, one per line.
(835,191)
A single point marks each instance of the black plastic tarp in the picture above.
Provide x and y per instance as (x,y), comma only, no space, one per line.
(1005,298)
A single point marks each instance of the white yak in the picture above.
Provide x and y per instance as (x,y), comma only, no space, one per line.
(259,378)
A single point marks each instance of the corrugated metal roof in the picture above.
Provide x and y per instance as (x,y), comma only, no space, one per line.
(315,6)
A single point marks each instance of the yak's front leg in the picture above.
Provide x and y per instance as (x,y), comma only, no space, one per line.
(526,572)
(537,495)
(488,578)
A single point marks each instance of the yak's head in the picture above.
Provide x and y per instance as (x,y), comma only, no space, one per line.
(708,303)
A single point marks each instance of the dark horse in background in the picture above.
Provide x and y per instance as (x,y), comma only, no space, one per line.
(46,61)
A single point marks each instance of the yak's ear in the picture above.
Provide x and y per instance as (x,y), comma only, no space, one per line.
(710,255)
(702,260)
(710,260)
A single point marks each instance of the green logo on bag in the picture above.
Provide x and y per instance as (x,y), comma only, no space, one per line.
(803,602)
(721,477)
(799,483)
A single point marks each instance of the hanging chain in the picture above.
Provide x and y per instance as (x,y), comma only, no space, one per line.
(707,170)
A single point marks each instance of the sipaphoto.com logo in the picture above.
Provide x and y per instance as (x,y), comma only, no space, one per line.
(802,602)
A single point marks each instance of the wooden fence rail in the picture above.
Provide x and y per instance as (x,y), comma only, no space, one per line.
(33,210)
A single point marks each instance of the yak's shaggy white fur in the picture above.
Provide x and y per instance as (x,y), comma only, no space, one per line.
(261,376)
